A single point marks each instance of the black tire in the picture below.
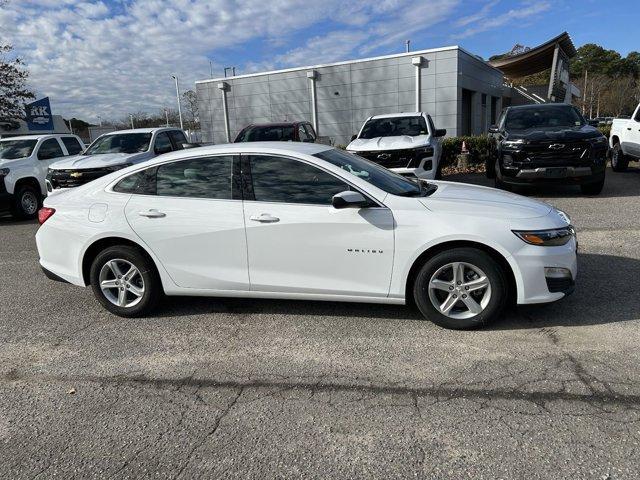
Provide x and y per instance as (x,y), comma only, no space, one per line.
(619,161)
(592,188)
(470,256)
(26,202)
(151,284)
(438,175)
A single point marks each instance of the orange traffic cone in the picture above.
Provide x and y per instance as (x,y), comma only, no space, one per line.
(464,147)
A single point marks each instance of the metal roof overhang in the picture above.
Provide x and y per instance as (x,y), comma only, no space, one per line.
(538,59)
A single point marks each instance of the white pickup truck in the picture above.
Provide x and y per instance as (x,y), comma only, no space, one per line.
(625,141)
(24,161)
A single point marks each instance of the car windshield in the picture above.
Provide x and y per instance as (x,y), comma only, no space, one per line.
(547,116)
(120,143)
(275,133)
(370,172)
(14,149)
(394,126)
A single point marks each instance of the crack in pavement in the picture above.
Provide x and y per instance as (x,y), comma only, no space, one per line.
(209,434)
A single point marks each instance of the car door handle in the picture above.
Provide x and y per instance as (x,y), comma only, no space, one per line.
(264,218)
(152,213)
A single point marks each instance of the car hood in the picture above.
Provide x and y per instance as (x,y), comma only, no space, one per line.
(464,199)
(388,143)
(100,161)
(555,134)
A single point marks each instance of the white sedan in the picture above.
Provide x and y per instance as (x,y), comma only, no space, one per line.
(304,221)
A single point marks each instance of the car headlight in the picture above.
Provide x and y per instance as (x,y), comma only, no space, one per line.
(513,143)
(426,151)
(546,238)
(4,172)
(598,140)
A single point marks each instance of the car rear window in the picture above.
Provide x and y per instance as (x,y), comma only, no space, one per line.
(277,133)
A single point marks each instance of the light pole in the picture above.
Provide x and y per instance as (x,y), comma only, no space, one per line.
(131,118)
(99,120)
(166,115)
(178,98)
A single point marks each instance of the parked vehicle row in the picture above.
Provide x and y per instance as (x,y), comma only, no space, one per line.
(36,165)
(625,141)
(304,221)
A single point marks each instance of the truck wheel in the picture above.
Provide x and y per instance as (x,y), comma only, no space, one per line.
(592,188)
(26,202)
(619,162)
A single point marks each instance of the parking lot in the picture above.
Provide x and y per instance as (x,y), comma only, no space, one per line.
(252,389)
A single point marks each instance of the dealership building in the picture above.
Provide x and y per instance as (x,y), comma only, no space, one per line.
(463,93)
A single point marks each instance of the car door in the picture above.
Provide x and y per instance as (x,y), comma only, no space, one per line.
(297,242)
(634,137)
(191,217)
(48,152)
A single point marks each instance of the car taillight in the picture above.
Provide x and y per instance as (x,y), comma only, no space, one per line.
(45,213)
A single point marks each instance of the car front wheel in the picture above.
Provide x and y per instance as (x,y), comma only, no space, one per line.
(461,288)
(125,281)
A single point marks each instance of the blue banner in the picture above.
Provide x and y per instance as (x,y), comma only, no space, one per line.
(39,115)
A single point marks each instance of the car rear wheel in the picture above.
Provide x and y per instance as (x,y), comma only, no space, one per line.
(125,281)
(619,162)
(461,288)
(27,201)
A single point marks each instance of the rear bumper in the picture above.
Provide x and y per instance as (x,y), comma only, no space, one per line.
(52,276)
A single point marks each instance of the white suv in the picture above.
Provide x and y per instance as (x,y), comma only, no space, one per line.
(304,221)
(407,143)
(24,161)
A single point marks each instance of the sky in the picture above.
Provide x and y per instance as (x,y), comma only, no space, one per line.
(109,58)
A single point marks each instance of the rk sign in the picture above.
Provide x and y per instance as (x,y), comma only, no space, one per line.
(39,115)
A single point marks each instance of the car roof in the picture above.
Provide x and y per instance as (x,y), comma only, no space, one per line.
(39,136)
(277,124)
(142,130)
(401,114)
(245,147)
(538,105)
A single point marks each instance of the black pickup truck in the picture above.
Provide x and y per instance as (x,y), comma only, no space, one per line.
(547,144)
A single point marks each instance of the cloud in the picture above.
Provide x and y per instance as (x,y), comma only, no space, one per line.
(115,57)
(482,21)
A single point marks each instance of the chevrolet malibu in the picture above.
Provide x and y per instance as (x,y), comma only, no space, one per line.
(304,221)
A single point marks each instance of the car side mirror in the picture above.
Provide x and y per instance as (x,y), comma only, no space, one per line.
(493,129)
(440,132)
(353,137)
(349,199)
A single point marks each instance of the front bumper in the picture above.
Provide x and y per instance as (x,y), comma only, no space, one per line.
(6,199)
(553,175)
(534,285)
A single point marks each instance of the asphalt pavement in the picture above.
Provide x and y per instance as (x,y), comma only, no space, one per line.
(231,388)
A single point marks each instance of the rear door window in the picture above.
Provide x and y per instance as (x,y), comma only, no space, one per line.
(178,139)
(197,178)
(73,145)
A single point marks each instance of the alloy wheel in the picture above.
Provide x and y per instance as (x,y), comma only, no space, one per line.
(121,283)
(459,290)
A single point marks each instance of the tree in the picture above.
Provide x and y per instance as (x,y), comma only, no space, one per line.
(190,101)
(13,84)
